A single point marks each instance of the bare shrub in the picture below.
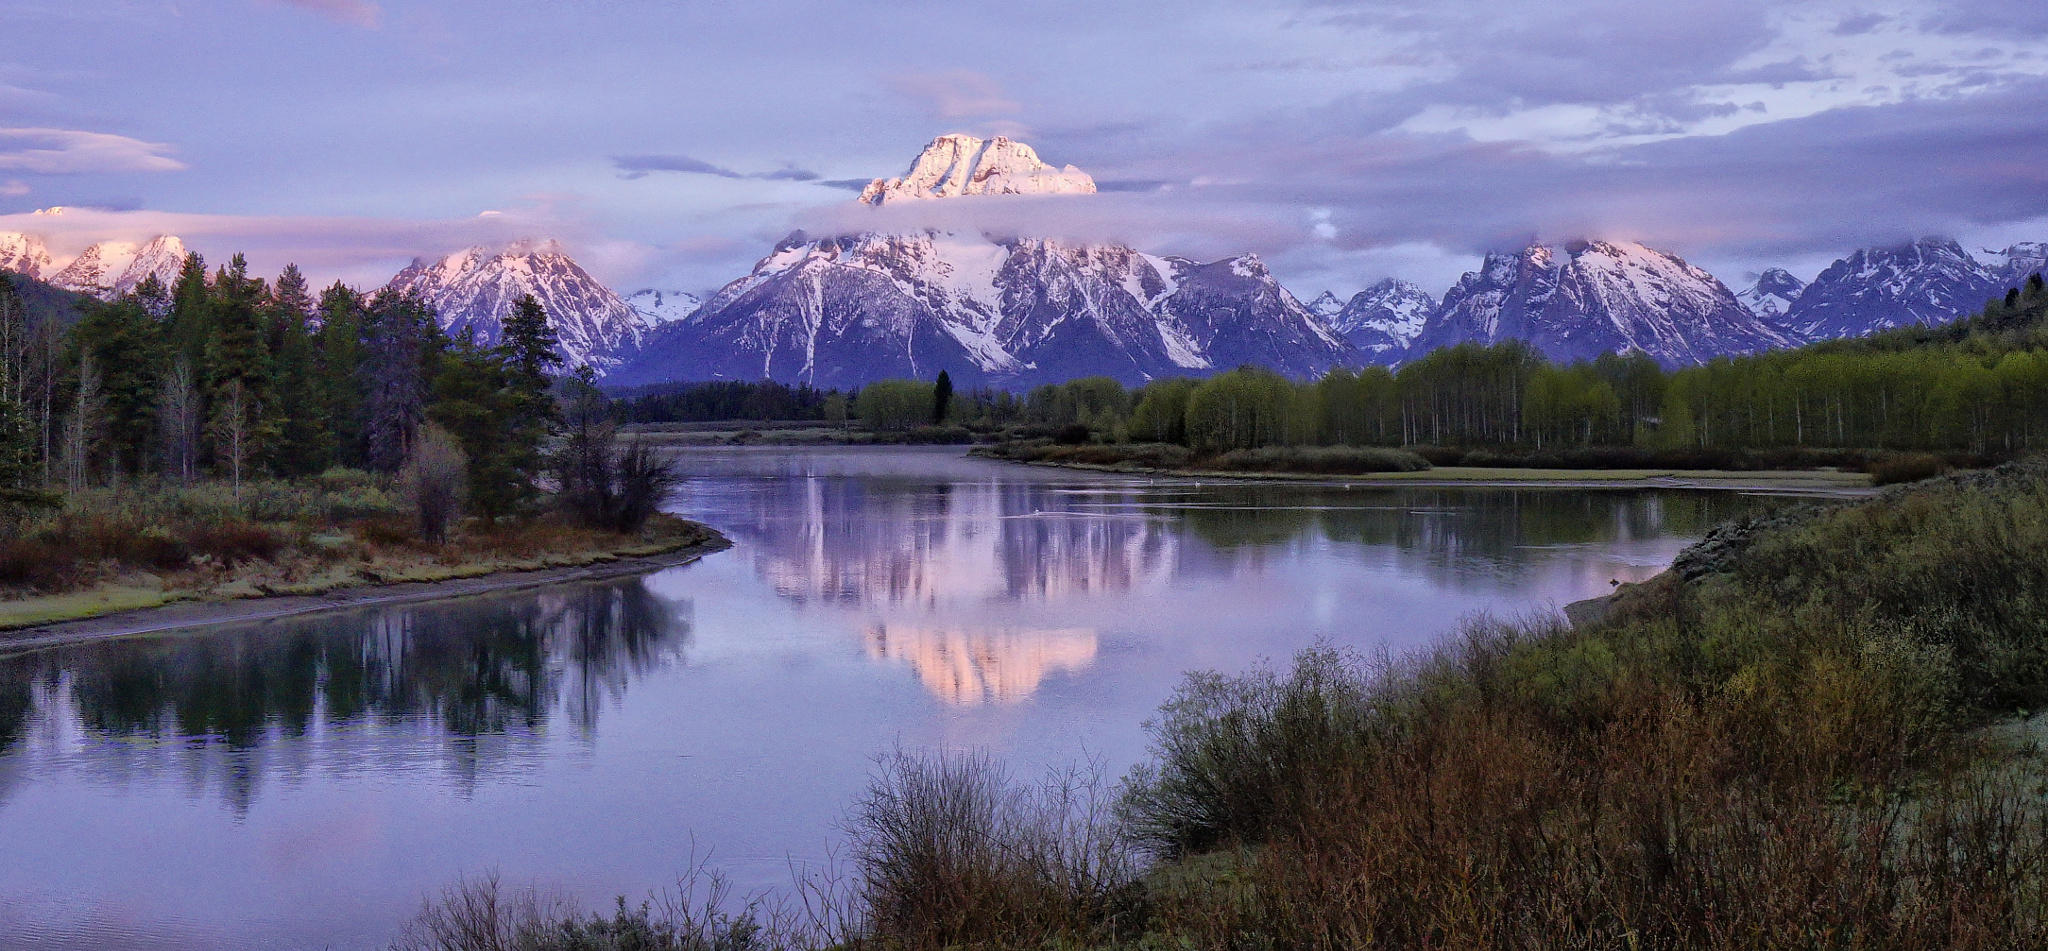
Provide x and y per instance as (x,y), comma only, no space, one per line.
(949,852)
(433,482)
(700,914)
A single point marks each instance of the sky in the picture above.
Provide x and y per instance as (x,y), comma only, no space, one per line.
(670,144)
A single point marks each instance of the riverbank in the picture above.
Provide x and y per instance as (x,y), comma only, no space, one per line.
(142,602)
(790,433)
(1825,483)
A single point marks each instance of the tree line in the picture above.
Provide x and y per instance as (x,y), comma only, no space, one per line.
(224,375)
(1978,386)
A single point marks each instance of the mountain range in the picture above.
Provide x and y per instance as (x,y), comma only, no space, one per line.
(1015,311)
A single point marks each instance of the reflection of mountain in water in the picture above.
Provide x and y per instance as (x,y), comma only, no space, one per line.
(869,541)
(909,544)
(465,685)
(982,666)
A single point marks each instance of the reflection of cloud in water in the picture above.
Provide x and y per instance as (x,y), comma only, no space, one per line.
(982,666)
(840,541)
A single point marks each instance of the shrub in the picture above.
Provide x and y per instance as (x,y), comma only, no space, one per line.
(948,852)
(1322,460)
(432,480)
(1894,468)
(482,915)
(1233,753)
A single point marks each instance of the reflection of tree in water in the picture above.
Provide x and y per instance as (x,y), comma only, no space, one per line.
(17,701)
(904,541)
(1465,530)
(482,674)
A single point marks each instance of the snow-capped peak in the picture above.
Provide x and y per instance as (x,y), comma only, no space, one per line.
(1772,294)
(23,254)
(111,269)
(2017,263)
(956,164)
(658,307)
(1385,318)
(1325,307)
(473,290)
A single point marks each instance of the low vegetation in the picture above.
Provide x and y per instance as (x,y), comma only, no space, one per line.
(1308,460)
(1816,731)
(151,543)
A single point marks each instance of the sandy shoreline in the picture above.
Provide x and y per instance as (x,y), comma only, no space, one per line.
(189,614)
(1786,482)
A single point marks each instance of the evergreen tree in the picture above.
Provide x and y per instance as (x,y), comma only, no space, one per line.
(400,345)
(339,376)
(191,311)
(304,441)
(126,345)
(17,437)
(942,398)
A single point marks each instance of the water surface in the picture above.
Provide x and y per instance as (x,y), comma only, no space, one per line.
(303,783)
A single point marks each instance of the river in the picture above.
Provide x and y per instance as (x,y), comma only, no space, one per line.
(305,783)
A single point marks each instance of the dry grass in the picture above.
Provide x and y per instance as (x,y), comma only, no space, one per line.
(202,543)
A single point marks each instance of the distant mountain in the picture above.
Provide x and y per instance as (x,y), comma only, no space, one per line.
(1325,307)
(1772,294)
(956,165)
(1013,311)
(23,254)
(1382,321)
(1930,281)
(1598,297)
(474,290)
(2012,266)
(111,269)
(658,307)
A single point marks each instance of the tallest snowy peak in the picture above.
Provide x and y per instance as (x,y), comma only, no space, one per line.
(955,164)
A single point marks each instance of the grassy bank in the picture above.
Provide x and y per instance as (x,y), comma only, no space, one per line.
(142,546)
(1415,466)
(794,433)
(1816,731)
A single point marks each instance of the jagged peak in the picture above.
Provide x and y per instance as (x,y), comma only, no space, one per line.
(957,164)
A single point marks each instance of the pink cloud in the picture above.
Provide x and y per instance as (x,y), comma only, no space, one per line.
(358,12)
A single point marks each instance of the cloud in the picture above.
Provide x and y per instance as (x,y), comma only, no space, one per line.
(13,188)
(74,152)
(363,251)
(640,166)
(955,94)
(361,13)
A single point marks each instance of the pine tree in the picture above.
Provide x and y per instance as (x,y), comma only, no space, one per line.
(304,442)
(339,376)
(190,321)
(17,437)
(126,345)
(401,342)
(942,398)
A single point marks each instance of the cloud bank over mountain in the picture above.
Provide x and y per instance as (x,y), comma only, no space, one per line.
(1344,140)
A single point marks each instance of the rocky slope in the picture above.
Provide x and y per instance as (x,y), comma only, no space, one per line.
(474,290)
(1772,294)
(23,254)
(1595,297)
(1382,321)
(111,269)
(1930,281)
